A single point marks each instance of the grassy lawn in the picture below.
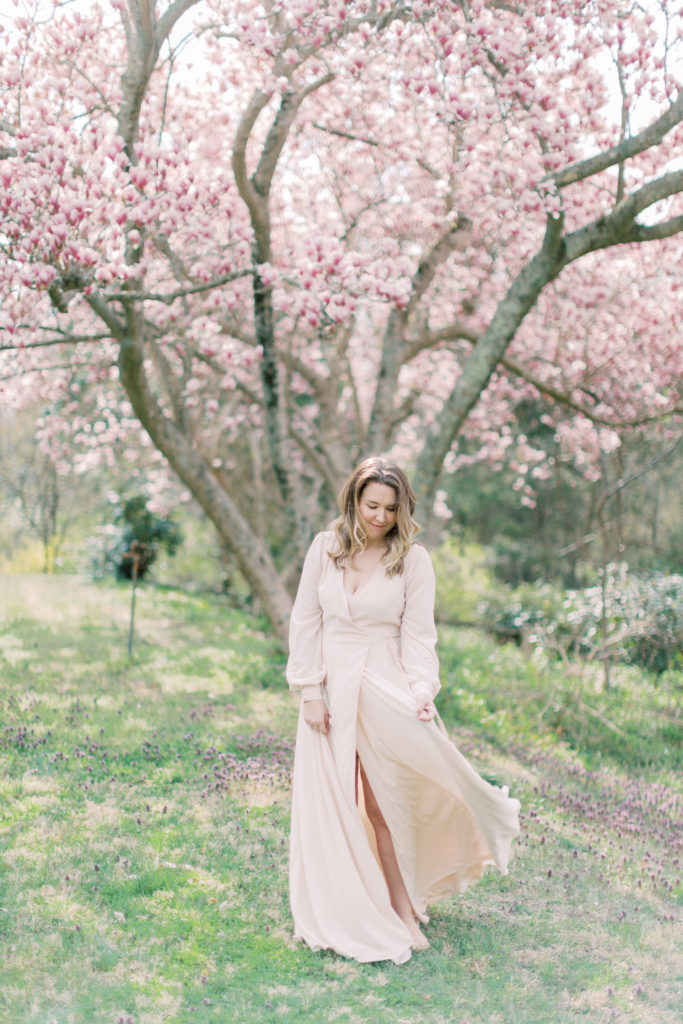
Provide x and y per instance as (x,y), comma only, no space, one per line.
(144,824)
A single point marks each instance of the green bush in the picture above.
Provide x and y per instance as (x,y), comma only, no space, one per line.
(463,579)
(631,618)
(109,552)
(513,698)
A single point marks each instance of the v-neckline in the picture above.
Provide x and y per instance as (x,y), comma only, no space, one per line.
(355,593)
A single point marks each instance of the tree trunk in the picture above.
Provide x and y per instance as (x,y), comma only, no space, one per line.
(487,353)
(250,554)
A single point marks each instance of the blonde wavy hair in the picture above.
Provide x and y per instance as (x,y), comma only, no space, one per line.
(349,533)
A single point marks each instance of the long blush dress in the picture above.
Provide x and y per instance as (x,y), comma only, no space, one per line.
(371,655)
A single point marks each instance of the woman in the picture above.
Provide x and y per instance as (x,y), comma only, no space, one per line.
(386,813)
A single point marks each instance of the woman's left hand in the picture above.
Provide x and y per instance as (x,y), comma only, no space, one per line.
(426,710)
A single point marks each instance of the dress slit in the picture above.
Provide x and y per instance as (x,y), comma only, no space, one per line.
(372,654)
(372,839)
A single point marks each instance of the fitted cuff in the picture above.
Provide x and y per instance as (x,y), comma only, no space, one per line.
(421,691)
(312,692)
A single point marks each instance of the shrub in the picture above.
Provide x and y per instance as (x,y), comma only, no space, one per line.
(134,523)
(627,617)
(462,579)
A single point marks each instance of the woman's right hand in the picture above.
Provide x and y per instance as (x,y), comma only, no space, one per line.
(316,716)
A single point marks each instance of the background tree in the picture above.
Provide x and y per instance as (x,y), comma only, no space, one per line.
(571,525)
(151,533)
(30,484)
(282,236)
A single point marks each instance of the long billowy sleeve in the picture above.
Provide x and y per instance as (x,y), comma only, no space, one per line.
(305,669)
(418,631)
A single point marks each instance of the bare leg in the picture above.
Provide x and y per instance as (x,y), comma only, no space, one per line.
(398,893)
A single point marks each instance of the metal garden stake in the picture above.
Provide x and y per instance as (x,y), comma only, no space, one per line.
(134,553)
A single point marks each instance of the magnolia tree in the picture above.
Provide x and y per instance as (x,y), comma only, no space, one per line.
(279,236)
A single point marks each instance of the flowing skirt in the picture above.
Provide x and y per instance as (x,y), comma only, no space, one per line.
(446,822)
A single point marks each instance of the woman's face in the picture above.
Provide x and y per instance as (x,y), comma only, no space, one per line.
(377,508)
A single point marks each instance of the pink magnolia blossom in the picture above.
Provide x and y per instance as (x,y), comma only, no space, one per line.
(429,149)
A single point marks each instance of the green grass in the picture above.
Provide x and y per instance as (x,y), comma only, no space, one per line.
(144,809)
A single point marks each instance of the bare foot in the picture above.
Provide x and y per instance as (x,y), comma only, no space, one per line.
(419,940)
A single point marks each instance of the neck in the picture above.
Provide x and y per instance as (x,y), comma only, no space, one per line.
(374,544)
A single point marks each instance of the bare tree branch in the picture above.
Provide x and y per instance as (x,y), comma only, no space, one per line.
(245,186)
(234,330)
(316,381)
(169,297)
(430,338)
(653,232)
(142,54)
(144,39)
(172,382)
(619,226)
(41,369)
(565,398)
(171,16)
(346,135)
(456,239)
(279,130)
(486,354)
(315,458)
(649,137)
(623,482)
(615,228)
(67,339)
(393,356)
(100,307)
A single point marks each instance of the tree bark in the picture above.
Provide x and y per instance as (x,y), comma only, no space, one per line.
(252,557)
(395,353)
(487,352)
